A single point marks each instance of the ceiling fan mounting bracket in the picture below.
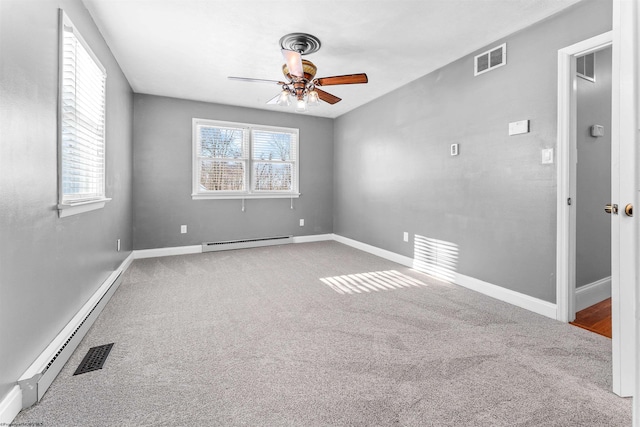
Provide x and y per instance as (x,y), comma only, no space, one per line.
(300,42)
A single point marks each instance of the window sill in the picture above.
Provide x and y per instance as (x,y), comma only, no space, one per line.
(201,196)
(69,209)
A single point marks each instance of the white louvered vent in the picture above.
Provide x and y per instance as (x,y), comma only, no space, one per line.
(487,61)
(586,66)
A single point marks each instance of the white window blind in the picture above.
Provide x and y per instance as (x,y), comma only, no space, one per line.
(222,157)
(82,119)
(236,160)
(274,159)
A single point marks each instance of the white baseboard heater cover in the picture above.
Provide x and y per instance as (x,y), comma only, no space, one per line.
(246,243)
(37,379)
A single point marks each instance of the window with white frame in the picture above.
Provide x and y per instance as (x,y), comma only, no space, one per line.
(81,139)
(239,160)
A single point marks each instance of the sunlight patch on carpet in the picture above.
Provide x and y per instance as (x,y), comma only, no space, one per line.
(374,281)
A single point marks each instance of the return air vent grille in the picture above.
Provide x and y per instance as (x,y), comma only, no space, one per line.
(246,243)
(586,66)
(493,58)
(94,359)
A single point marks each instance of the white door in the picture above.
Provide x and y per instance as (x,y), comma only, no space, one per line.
(624,191)
(624,182)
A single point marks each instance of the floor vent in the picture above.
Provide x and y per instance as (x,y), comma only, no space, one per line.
(246,243)
(38,377)
(94,359)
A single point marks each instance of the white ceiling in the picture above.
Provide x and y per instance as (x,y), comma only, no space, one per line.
(187,48)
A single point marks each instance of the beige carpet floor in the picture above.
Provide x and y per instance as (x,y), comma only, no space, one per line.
(321,334)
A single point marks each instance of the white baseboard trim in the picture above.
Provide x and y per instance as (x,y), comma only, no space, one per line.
(196,249)
(41,373)
(160,252)
(10,406)
(312,238)
(518,299)
(382,253)
(593,293)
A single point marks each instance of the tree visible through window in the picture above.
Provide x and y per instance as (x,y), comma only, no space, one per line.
(223,166)
(272,164)
(238,160)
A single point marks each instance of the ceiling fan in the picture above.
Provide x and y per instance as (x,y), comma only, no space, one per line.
(301,82)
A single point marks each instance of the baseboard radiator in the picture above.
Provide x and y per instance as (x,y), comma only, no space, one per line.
(39,376)
(246,243)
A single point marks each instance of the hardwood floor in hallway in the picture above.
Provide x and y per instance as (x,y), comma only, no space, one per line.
(596,318)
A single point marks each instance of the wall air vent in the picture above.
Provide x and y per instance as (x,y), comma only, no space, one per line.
(586,66)
(493,58)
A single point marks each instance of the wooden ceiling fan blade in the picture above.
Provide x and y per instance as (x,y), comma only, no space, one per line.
(245,79)
(348,79)
(327,97)
(294,62)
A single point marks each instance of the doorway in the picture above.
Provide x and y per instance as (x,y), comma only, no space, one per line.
(592,173)
(567,172)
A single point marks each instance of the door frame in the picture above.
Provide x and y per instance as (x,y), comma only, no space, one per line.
(565,167)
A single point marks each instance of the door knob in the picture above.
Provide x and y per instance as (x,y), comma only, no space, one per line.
(611,209)
(628,209)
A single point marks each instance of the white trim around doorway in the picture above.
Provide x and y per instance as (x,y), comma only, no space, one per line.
(565,251)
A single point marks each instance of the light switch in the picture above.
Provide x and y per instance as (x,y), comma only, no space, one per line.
(516,128)
(454,149)
(547,156)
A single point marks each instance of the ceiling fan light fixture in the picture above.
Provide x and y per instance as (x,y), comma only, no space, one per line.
(301,105)
(284,100)
(313,100)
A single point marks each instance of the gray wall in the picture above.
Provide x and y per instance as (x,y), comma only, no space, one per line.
(593,225)
(51,266)
(495,201)
(162,178)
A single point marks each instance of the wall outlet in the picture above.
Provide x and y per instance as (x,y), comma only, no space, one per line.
(547,156)
(118,244)
(301,222)
(405,236)
(183,229)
